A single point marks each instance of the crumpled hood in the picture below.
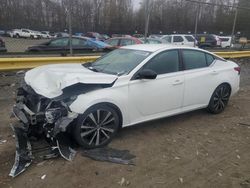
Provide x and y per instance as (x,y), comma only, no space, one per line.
(49,80)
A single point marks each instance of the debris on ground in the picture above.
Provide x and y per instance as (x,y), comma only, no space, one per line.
(110,155)
(238,156)
(2,141)
(177,158)
(124,182)
(181,180)
(244,124)
(220,174)
(43,177)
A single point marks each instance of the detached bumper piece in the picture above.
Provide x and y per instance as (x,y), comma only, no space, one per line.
(35,125)
(23,157)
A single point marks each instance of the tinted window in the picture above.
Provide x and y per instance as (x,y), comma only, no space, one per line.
(113,42)
(126,42)
(59,42)
(224,39)
(178,39)
(189,38)
(210,59)
(165,62)
(79,42)
(194,59)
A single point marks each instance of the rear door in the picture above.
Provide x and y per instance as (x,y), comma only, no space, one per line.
(61,44)
(200,78)
(80,45)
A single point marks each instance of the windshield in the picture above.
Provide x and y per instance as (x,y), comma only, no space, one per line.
(119,62)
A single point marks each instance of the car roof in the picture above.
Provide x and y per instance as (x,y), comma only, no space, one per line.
(155,47)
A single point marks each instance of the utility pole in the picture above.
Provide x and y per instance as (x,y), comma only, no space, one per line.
(147,18)
(196,22)
(69,12)
(234,24)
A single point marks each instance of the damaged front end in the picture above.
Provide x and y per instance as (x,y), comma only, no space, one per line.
(40,117)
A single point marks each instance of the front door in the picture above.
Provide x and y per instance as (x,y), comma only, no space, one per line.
(165,93)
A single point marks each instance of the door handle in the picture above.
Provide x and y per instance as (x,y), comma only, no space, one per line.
(177,82)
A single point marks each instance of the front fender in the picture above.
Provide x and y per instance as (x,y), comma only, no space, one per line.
(109,95)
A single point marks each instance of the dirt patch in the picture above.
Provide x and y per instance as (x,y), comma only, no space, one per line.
(196,149)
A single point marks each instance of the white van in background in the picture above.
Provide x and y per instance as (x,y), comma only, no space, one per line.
(226,41)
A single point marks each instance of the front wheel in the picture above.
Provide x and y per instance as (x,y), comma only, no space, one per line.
(219,99)
(96,127)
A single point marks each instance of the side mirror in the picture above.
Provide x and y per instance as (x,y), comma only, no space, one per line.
(147,74)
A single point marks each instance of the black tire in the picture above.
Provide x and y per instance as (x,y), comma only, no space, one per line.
(219,99)
(93,130)
(17,36)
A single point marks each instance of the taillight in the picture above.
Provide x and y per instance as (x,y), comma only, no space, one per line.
(237,69)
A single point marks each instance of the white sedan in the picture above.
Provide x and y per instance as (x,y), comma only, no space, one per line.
(128,86)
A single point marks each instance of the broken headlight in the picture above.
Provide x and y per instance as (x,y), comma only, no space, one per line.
(54,114)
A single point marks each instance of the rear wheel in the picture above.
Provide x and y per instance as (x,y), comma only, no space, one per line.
(96,127)
(219,99)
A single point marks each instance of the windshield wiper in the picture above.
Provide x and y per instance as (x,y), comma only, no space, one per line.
(93,69)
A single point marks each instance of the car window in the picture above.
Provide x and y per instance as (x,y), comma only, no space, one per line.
(59,42)
(113,42)
(120,61)
(189,38)
(224,39)
(167,39)
(194,59)
(25,31)
(79,42)
(165,62)
(126,42)
(178,39)
(210,59)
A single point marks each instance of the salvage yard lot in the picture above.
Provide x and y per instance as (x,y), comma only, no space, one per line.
(196,149)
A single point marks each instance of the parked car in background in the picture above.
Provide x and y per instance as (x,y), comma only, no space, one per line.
(118,42)
(120,35)
(61,34)
(105,36)
(95,36)
(208,40)
(24,33)
(79,44)
(45,35)
(138,35)
(2,32)
(157,36)
(226,41)
(2,45)
(151,40)
(180,39)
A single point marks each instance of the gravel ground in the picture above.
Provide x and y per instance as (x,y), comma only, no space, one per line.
(196,149)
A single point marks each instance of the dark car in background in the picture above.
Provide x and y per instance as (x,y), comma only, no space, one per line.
(79,44)
(2,45)
(208,40)
(118,42)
